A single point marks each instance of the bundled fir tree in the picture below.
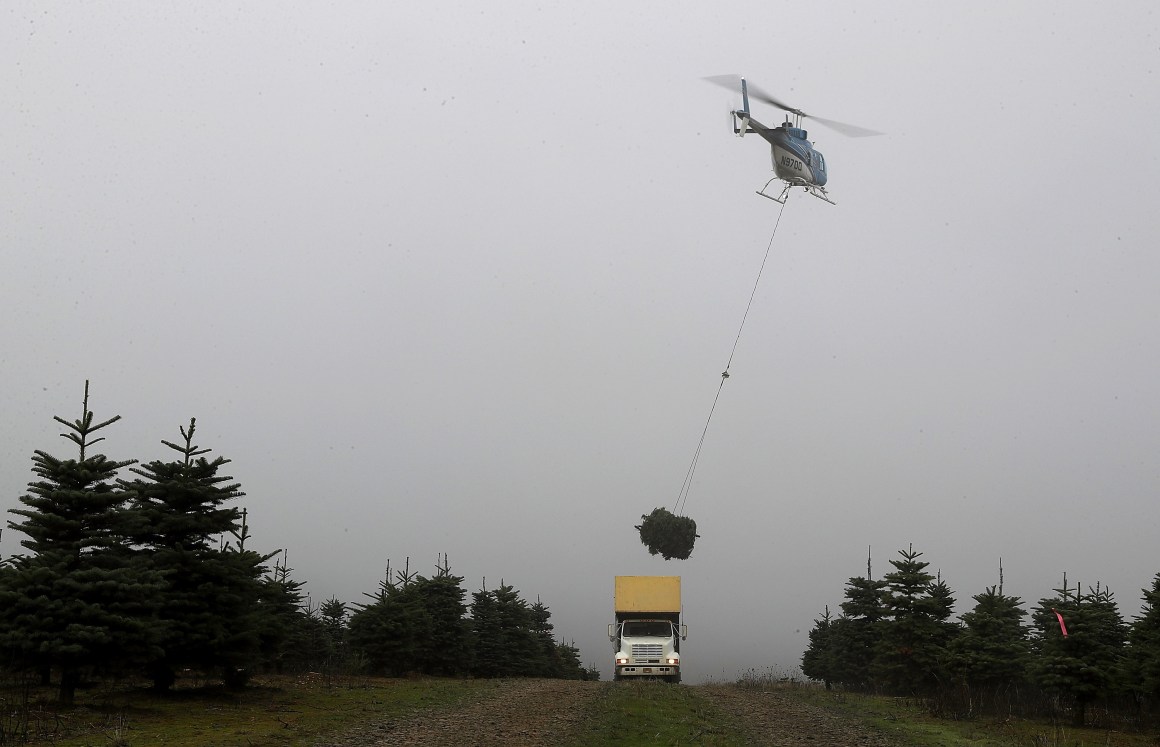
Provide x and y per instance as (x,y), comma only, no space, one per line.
(667,534)
(83,600)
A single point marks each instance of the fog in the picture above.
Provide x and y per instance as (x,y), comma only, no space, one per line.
(443,278)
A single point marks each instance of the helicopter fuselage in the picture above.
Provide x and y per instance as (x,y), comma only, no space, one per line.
(794,157)
(795,161)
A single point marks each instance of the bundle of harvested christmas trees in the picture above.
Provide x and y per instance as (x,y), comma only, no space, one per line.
(668,534)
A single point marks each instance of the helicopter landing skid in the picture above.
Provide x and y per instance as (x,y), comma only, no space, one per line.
(816,191)
(780,198)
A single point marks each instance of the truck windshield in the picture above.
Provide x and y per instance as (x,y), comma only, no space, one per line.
(649,628)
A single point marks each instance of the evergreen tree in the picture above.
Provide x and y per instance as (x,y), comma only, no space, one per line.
(181,510)
(414,624)
(911,655)
(444,644)
(520,644)
(489,659)
(1142,664)
(856,634)
(388,632)
(1081,665)
(334,624)
(570,667)
(548,662)
(279,617)
(82,601)
(941,607)
(263,626)
(308,645)
(992,652)
(502,632)
(820,660)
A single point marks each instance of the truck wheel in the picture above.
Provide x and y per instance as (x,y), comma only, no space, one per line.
(616,678)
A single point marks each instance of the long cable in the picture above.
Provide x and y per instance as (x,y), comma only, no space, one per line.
(687,485)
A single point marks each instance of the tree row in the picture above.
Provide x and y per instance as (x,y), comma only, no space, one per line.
(896,635)
(150,573)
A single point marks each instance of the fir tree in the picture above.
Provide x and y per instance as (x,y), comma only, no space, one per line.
(388,633)
(82,600)
(444,645)
(570,667)
(520,644)
(1081,665)
(504,641)
(181,510)
(264,625)
(911,655)
(991,654)
(820,660)
(1142,663)
(278,615)
(856,634)
(334,624)
(487,644)
(415,624)
(548,662)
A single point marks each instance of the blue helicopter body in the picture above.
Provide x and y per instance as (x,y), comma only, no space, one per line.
(795,160)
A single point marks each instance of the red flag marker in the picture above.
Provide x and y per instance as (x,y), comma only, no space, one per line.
(1062,627)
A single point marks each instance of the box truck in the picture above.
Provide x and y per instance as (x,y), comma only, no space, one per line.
(648,630)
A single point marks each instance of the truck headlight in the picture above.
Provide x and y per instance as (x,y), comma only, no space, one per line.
(622,660)
(672,660)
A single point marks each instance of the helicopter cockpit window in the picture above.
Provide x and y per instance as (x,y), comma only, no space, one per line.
(819,161)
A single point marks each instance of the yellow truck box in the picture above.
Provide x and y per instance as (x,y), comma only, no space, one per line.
(648,594)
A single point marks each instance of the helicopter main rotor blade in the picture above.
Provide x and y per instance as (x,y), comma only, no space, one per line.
(734,82)
(848,130)
(769,98)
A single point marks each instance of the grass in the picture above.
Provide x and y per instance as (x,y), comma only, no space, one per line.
(272,711)
(654,713)
(298,711)
(909,721)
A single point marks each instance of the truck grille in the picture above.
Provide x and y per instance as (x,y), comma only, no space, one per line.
(647,651)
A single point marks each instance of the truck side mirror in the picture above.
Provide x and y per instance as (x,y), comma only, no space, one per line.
(611,632)
(684,632)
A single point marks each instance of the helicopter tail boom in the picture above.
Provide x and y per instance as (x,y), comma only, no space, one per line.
(743,125)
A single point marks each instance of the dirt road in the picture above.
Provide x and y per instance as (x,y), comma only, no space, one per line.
(550,713)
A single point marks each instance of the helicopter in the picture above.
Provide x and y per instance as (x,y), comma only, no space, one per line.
(795,160)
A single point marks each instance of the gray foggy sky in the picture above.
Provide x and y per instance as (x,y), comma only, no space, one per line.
(461,278)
